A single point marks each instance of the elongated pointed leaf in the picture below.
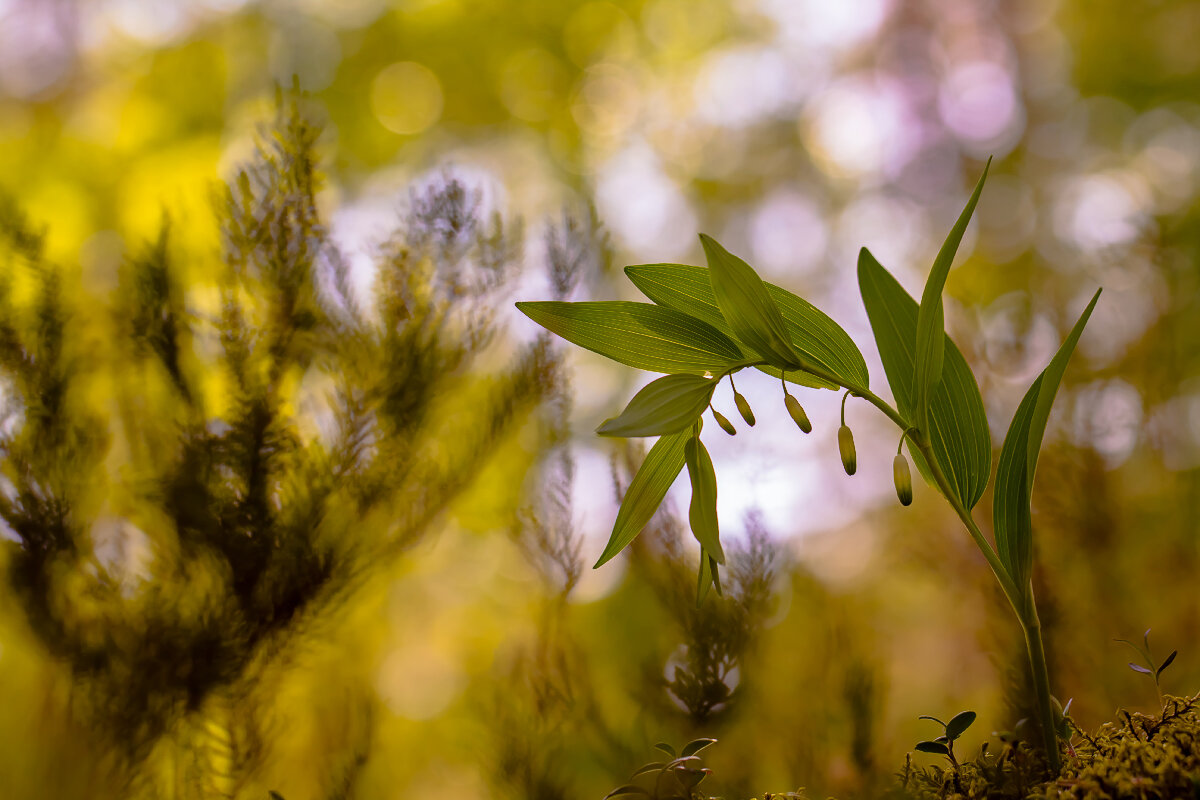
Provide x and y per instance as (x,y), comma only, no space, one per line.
(702,515)
(646,492)
(666,405)
(1165,664)
(639,335)
(817,338)
(1011,516)
(958,724)
(695,746)
(958,430)
(930,319)
(749,309)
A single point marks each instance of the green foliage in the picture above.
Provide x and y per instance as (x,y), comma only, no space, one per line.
(1152,667)
(940,410)
(675,779)
(952,730)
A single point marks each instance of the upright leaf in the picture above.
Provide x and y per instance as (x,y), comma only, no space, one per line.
(930,319)
(646,492)
(665,405)
(702,514)
(957,429)
(818,339)
(639,335)
(1011,515)
(746,305)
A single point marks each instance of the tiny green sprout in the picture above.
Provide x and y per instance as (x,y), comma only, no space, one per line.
(725,424)
(944,745)
(675,779)
(1152,668)
(743,406)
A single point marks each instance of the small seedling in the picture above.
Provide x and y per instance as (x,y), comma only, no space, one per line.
(944,744)
(1152,668)
(673,779)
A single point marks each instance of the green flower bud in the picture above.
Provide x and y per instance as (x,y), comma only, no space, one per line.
(797,411)
(743,408)
(725,424)
(903,479)
(846,448)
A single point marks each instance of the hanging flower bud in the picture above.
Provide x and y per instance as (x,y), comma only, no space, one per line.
(797,411)
(725,424)
(743,408)
(903,479)
(846,448)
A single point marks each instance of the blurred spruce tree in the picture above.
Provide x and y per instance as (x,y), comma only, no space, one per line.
(195,475)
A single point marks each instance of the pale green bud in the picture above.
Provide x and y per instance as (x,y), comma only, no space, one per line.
(797,411)
(903,479)
(725,424)
(846,448)
(743,408)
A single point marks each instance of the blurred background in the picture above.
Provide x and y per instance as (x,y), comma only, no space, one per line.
(556,142)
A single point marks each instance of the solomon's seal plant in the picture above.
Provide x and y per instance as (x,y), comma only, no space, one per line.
(704,325)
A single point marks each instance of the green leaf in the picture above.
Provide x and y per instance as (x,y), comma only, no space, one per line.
(695,746)
(665,405)
(958,430)
(933,747)
(930,319)
(653,766)
(627,789)
(1011,515)
(639,335)
(818,339)
(956,726)
(749,309)
(702,515)
(645,493)
(1165,664)
(666,748)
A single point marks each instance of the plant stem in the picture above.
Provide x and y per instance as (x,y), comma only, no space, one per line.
(1022,601)
(1041,679)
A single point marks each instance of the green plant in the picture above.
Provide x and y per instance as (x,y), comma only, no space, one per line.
(944,744)
(1152,668)
(707,324)
(673,779)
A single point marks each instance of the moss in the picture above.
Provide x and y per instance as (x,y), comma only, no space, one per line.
(1137,756)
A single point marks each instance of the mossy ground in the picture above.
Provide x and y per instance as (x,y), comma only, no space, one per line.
(1137,756)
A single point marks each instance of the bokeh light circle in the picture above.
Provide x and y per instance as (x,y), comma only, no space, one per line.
(406,97)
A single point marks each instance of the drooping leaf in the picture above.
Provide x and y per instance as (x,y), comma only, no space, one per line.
(695,746)
(932,719)
(930,341)
(817,338)
(665,405)
(958,430)
(958,724)
(933,747)
(1011,515)
(747,307)
(702,514)
(639,335)
(1140,668)
(646,492)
